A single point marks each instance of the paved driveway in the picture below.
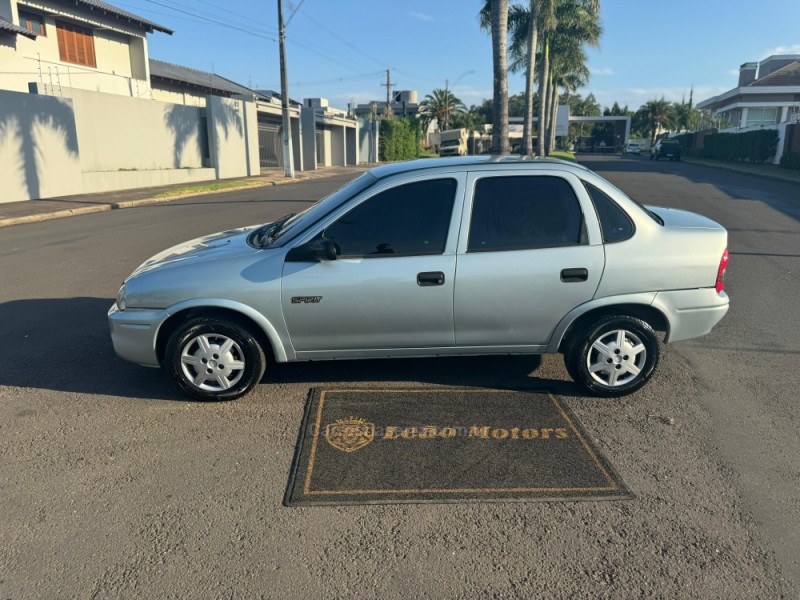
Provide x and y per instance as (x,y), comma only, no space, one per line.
(112,485)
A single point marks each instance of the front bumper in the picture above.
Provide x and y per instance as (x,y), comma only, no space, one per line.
(134,333)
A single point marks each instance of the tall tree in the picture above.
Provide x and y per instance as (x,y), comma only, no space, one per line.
(499,25)
(441,105)
(576,23)
(656,114)
(573,24)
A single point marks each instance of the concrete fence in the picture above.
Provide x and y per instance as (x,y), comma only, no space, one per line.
(84,142)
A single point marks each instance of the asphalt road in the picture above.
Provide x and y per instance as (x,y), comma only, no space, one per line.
(113,485)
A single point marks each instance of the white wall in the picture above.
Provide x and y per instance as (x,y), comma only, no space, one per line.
(90,142)
(121,133)
(167,92)
(39,150)
(230,135)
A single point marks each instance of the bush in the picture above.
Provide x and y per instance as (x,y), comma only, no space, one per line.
(686,140)
(791,161)
(399,140)
(751,146)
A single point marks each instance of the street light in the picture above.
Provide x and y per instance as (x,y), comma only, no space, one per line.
(447,95)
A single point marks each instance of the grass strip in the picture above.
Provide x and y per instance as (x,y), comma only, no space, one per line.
(209,187)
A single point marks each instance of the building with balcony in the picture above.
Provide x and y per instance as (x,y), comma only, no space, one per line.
(768,95)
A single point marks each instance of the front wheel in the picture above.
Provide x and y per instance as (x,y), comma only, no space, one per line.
(614,356)
(214,359)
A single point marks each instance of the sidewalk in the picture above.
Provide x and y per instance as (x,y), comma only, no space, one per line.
(769,171)
(32,211)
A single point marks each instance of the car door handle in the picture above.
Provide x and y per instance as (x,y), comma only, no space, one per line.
(430,278)
(573,275)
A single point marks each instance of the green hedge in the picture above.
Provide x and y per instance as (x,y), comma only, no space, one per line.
(686,140)
(399,140)
(751,146)
(791,161)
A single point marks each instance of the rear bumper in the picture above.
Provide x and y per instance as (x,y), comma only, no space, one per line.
(134,333)
(691,313)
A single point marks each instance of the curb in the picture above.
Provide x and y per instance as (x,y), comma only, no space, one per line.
(85,210)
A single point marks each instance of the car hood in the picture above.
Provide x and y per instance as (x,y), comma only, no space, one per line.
(683,219)
(224,244)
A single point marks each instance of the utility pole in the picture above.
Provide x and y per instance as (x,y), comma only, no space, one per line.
(288,157)
(388,85)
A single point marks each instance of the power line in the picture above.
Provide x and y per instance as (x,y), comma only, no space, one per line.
(343,40)
(294,11)
(214,21)
(240,21)
(339,79)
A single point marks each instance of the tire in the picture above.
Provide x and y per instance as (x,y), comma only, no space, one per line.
(626,371)
(195,353)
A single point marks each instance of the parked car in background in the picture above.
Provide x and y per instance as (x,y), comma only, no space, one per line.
(666,148)
(453,142)
(438,257)
(633,148)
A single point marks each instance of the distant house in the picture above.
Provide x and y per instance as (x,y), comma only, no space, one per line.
(768,95)
(183,85)
(405,103)
(81,44)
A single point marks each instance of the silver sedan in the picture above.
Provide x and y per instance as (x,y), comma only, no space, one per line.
(463,256)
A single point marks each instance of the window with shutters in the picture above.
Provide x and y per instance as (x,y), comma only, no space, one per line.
(32,22)
(75,44)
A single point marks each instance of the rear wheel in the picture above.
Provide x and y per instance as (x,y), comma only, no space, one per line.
(214,359)
(614,356)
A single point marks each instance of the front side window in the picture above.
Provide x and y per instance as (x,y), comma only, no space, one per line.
(75,44)
(409,219)
(32,22)
(515,213)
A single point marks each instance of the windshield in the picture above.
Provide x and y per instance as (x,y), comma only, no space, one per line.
(313,214)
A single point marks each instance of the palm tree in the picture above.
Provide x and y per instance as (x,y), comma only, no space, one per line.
(440,105)
(499,28)
(574,23)
(524,25)
(576,26)
(658,114)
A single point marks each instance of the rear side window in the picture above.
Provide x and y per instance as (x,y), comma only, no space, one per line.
(615,223)
(515,213)
(410,219)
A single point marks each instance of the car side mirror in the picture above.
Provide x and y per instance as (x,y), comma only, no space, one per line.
(317,250)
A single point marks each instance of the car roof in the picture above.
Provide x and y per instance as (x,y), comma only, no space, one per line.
(461,162)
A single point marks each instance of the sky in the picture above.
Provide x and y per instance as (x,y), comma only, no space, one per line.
(340,49)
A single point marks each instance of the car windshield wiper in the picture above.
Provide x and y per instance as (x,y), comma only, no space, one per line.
(269,232)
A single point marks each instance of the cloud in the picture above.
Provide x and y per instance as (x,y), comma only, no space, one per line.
(794,49)
(421,16)
(601,71)
(734,72)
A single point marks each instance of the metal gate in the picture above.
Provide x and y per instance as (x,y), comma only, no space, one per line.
(270,151)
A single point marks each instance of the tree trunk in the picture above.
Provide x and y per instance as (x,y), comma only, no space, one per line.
(544,76)
(548,118)
(555,118)
(500,84)
(527,127)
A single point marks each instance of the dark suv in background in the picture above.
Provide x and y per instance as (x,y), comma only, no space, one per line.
(670,149)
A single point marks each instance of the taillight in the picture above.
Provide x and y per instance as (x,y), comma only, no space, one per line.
(723,264)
